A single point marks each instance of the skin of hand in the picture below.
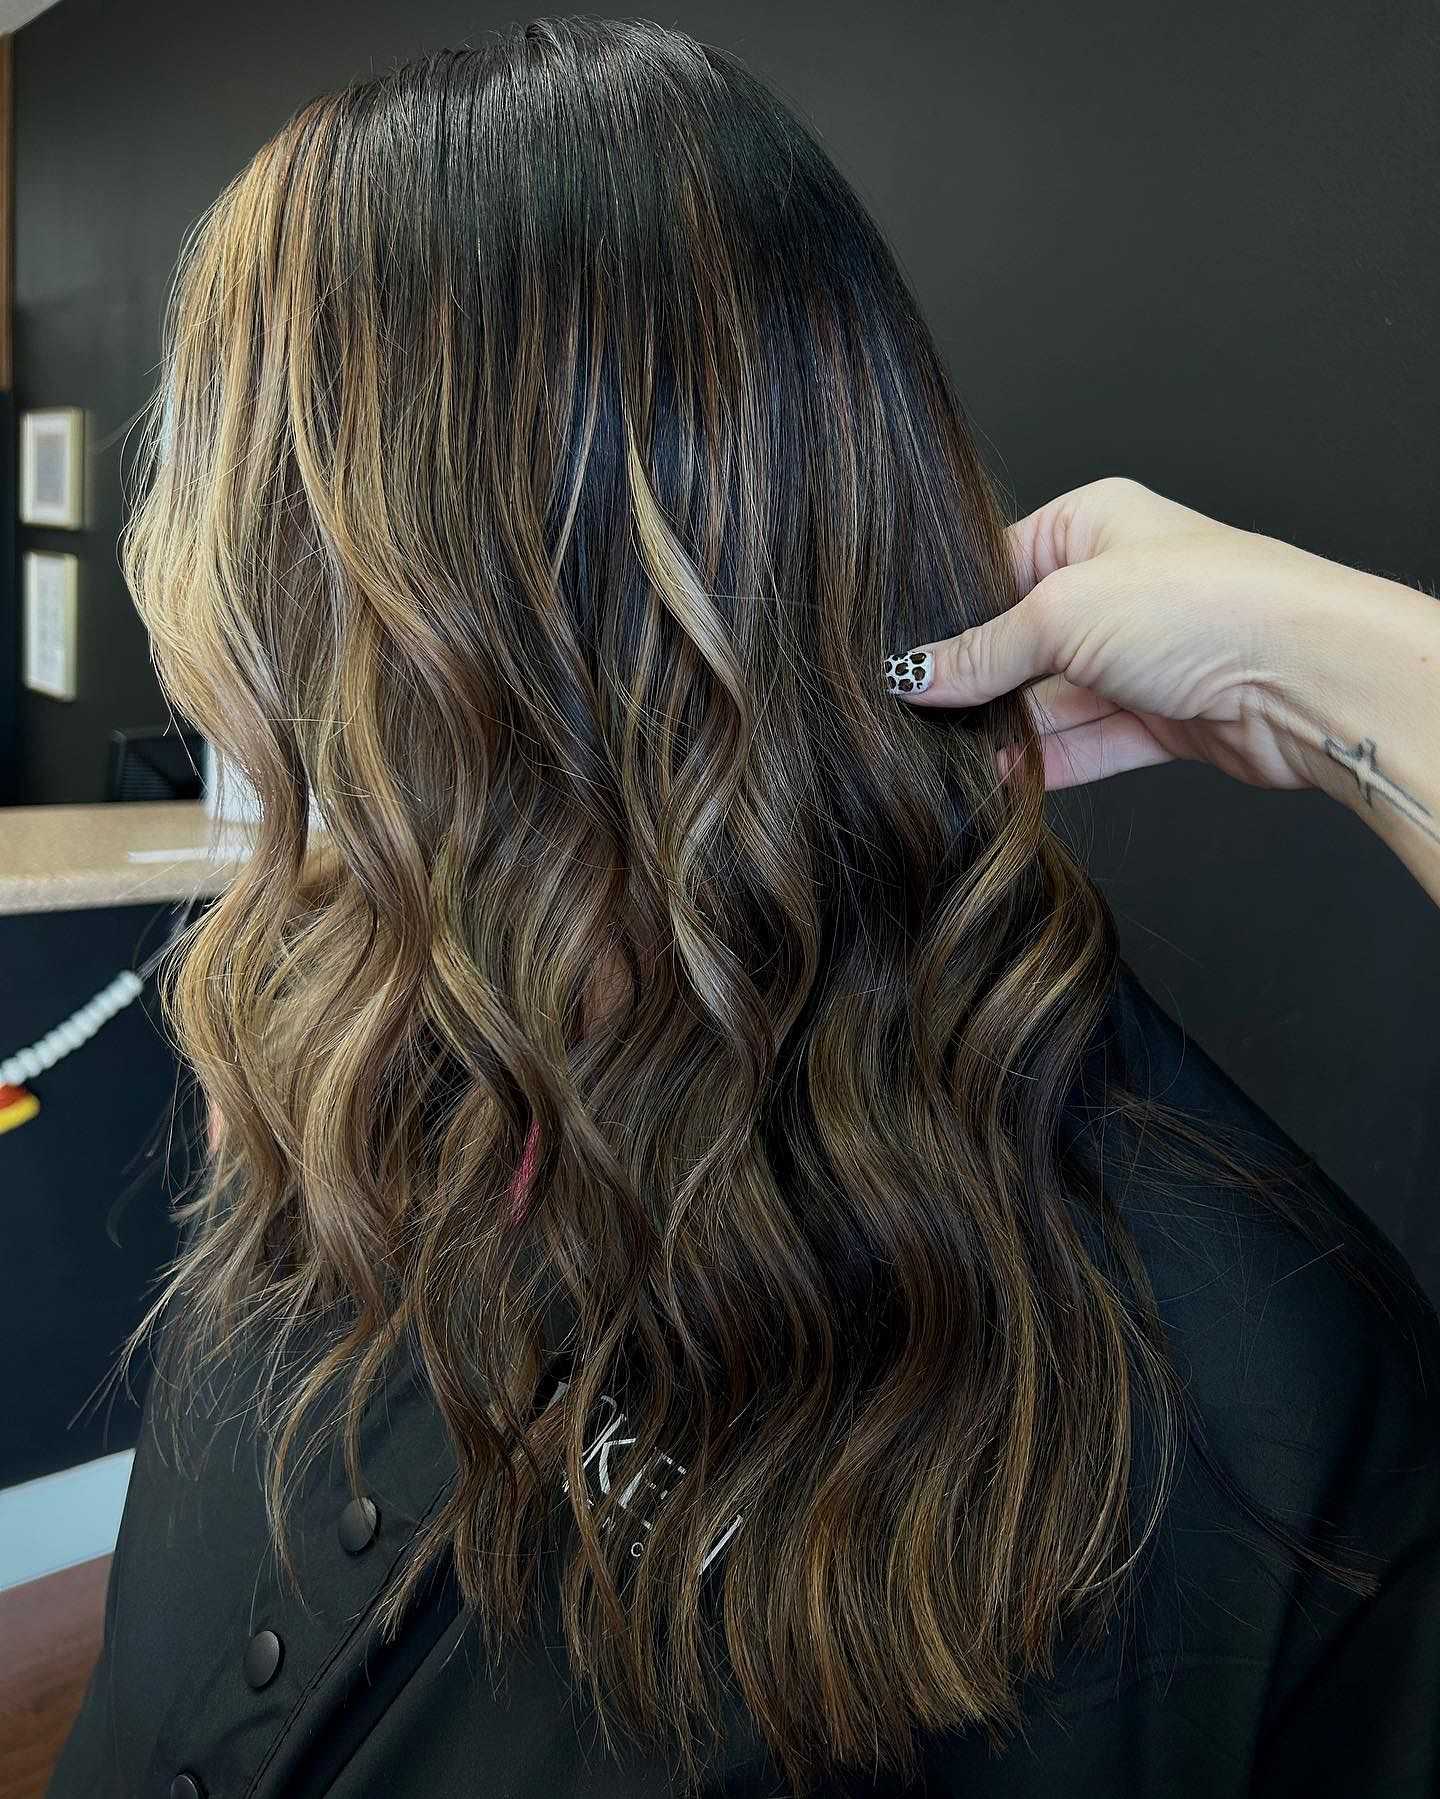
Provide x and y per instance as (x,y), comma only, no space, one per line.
(1147,632)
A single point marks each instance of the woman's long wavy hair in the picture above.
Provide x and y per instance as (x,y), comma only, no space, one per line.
(548,454)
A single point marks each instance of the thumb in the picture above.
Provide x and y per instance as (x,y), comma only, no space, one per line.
(977,665)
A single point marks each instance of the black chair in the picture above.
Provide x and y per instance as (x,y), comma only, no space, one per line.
(155,764)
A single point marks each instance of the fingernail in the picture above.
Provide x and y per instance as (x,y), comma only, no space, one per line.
(911,673)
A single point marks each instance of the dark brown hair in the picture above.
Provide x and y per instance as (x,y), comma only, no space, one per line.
(548,454)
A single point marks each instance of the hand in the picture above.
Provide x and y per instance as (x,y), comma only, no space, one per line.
(1155,633)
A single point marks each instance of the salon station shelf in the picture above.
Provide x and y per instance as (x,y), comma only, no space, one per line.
(127,853)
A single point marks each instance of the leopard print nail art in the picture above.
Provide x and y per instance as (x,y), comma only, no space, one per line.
(911,673)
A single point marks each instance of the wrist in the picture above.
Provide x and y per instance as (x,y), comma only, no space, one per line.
(1351,691)
(1354,656)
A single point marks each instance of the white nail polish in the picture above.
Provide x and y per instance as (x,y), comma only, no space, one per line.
(910,673)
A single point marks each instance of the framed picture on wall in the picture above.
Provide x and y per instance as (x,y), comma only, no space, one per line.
(50,586)
(51,464)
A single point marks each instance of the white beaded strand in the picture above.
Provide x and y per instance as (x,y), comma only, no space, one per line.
(78,1028)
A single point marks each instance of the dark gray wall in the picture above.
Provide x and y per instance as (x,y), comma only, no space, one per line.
(1192,244)
(1196,245)
(9,607)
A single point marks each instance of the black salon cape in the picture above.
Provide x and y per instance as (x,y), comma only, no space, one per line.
(1233,1674)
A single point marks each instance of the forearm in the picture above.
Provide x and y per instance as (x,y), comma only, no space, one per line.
(1358,707)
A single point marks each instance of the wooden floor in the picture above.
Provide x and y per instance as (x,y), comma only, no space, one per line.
(49,1637)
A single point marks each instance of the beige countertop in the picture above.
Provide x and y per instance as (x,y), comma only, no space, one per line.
(129,853)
